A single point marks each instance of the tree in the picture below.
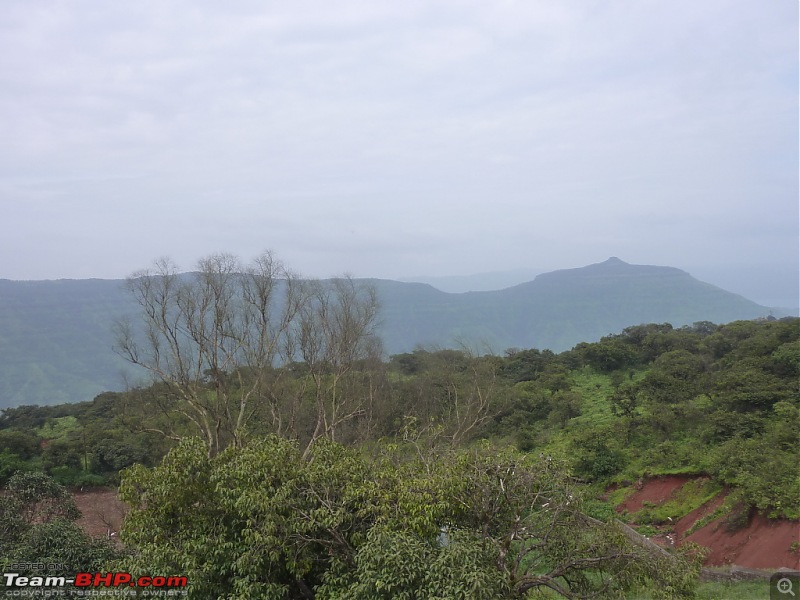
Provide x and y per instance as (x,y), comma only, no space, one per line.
(253,522)
(265,521)
(336,332)
(25,444)
(609,354)
(37,526)
(455,396)
(221,340)
(200,329)
(625,402)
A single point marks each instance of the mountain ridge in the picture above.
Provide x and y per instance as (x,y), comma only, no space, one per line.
(56,335)
(767,285)
(561,308)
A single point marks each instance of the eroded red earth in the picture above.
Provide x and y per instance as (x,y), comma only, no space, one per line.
(657,491)
(102,512)
(761,544)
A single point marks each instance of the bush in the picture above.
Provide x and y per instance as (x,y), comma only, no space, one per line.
(72,477)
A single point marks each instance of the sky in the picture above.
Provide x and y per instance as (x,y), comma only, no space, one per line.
(396,139)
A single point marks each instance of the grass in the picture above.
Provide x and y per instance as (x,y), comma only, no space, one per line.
(738,590)
(689,497)
(721,510)
(594,388)
(732,590)
(684,455)
(619,495)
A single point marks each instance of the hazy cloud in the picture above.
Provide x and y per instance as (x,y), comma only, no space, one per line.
(390,139)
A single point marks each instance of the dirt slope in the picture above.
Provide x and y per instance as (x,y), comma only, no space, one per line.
(761,544)
(102,512)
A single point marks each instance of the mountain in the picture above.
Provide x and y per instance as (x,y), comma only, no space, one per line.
(560,309)
(478,282)
(767,284)
(56,339)
(56,336)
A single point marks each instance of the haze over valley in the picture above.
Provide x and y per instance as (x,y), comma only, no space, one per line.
(58,335)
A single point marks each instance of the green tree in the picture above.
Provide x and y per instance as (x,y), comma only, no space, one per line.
(609,354)
(265,521)
(24,444)
(745,387)
(625,400)
(62,542)
(37,526)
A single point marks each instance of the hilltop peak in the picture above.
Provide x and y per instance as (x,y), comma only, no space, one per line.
(613,260)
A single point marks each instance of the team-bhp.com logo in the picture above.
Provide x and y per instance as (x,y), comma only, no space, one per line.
(90,582)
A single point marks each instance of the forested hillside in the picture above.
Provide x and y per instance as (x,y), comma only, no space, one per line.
(57,337)
(477,448)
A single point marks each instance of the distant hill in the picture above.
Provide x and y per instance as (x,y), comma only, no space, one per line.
(56,336)
(479,282)
(558,309)
(56,339)
(773,284)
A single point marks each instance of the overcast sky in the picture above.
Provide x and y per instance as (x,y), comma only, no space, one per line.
(390,139)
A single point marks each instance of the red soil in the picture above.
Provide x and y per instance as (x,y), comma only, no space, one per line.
(656,490)
(102,512)
(686,522)
(762,544)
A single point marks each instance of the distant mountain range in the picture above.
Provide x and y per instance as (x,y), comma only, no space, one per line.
(768,284)
(56,336)
(478,282)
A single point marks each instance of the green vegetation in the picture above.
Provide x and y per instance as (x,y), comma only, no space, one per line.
(37,525)
(692,495)
(733,590)
(84,444)
(286,459)
(271,523)
(57,335)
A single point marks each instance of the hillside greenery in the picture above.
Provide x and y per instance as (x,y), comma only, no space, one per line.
(56,337)
(393,497)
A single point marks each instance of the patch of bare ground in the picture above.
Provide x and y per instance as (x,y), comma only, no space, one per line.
(102,512)
(656,490)
(761,543)
(686,522)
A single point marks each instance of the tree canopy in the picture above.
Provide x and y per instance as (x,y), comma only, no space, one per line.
(264,521)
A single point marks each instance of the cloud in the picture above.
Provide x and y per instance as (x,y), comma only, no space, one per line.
(391,138)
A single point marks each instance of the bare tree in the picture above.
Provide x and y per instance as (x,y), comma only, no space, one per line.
(456,396)
(224,342)
(472,400)
(336,333)
(213,337)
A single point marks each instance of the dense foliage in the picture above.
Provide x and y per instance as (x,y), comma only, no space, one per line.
(264,522)
(37,525)
(420,479)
